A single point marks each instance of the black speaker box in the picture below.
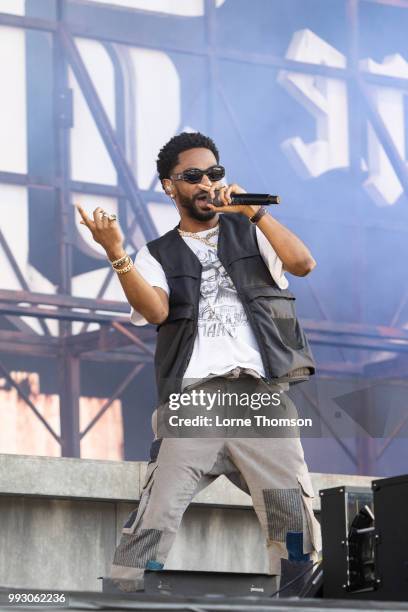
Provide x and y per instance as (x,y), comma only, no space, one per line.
(391,528)
(341,578)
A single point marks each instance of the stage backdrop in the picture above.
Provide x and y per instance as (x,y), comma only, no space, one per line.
(304,98)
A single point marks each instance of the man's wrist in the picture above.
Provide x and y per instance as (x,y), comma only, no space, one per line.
(262,211)
(115,253)
(250,211)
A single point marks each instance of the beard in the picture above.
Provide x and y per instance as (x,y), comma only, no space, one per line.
(194,210)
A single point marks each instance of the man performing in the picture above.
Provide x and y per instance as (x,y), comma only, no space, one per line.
(215,287)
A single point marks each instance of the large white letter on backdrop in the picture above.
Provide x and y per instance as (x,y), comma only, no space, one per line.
(383,184)
(152,117)
(326,99)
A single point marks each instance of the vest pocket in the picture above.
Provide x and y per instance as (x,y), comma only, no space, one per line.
(268,291)
(278,306)
(290,332)
(183,311)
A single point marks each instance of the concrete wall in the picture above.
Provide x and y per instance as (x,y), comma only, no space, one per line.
(60,520)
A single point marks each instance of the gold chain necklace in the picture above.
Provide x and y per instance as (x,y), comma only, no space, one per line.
(203,239)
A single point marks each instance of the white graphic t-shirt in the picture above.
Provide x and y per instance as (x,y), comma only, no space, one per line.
(224,338)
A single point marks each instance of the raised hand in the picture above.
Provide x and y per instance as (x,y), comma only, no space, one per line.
(105,230)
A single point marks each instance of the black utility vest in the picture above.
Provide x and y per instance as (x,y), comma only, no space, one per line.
(283,346)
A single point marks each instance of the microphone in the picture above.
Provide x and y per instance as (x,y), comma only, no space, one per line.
(246,199)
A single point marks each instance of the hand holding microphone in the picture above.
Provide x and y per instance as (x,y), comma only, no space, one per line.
(232,198)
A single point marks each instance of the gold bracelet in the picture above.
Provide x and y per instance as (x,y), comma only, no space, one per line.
(126,269)
(120,261)
(125,261)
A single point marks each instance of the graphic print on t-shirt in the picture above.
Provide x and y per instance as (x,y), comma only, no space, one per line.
(220,311)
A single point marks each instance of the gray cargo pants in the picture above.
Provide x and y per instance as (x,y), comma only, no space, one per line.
(271,469)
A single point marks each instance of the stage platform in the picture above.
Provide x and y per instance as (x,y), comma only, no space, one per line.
(85,600)
(62,518)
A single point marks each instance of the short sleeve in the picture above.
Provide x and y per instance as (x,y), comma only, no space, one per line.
(153,273)
(271,259)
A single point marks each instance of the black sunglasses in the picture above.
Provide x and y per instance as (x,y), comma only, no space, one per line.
(195,175)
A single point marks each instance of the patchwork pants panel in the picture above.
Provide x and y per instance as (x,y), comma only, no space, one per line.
(281,491)
(182,468)
(272,470)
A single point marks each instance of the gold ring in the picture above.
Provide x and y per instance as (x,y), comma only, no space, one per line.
(112,217)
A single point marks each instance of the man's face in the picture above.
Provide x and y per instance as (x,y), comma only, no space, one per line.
(188,195)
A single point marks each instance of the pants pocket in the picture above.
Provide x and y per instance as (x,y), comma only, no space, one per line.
(136,515)
(307,500)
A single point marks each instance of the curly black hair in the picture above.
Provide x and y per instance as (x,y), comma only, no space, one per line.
(168,155)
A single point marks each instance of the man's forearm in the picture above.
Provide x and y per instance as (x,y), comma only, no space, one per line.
(295,256)
(142,297)
(140,294)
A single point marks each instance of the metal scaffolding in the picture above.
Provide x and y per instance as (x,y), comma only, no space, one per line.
(117,341)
